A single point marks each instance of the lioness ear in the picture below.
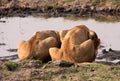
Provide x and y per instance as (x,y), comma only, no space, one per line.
(92,35)
(97,43)
(35,33)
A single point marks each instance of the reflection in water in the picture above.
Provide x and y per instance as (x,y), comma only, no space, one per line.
(16,29)
(107,18)
(100,18)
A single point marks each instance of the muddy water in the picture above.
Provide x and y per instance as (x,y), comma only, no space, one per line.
(16,29)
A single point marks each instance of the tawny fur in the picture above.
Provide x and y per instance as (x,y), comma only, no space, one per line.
(79,44)
(76,45)
(38,46)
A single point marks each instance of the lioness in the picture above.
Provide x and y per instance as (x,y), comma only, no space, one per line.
(79,44)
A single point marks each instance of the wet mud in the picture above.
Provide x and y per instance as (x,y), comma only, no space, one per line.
(111,54)
(110,57)
(2,44)
(12,50)
(11,57)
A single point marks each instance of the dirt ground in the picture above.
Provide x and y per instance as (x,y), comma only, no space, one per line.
(35,70)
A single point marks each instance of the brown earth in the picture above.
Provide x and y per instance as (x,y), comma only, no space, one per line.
(35,70)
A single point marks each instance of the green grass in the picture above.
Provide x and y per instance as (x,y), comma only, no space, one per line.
(79,72)
(67,0)
(100,72)
(11,66)
(98,1)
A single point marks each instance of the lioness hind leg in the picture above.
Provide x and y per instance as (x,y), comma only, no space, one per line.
(87,46)
(84,52)
(49,42)
(55,53)
(24,50)
(41,50)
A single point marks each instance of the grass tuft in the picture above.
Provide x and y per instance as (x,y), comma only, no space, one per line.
(11,66)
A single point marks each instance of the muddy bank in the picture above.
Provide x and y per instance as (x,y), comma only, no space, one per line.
(59,7)
(110,57)
(110,54)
